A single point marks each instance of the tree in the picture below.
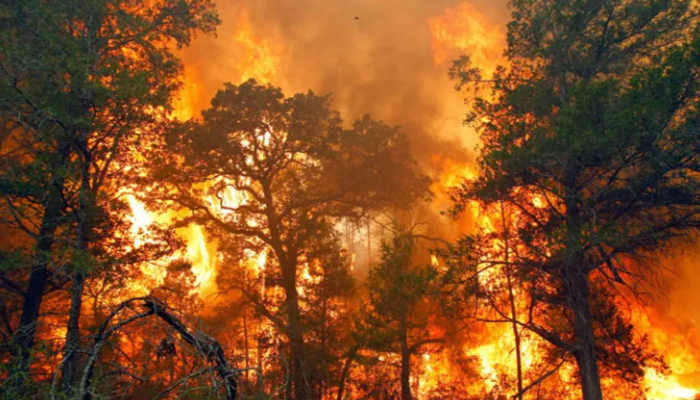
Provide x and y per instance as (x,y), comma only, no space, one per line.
(328,288)
(490,264)
(272,173)
(399,305)
(82,83)
(591,134)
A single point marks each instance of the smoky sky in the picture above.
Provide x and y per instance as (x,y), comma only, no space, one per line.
(373,56)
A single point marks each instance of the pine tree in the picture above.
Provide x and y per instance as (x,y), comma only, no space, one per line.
(82,83)
(591,133)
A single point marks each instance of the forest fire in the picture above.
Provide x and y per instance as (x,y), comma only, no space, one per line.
(270,246)
(259,62)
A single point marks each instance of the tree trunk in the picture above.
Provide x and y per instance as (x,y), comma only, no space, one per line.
(24,336)
(82,239)
(23,340)
(301,380)
(511,300)
(70,349)
(516,338)
(346,371)
(577,296)
(245,341)
(575,278)
(405,366)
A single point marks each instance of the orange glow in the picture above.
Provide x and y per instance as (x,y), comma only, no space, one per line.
(259,61)
(260,58)
(459,30)
(464,30)
(493,349)
(197,252)
(190,96)
(681,352)
(450,174)
(666,387)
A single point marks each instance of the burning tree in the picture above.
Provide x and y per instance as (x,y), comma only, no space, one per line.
(273,174)
(81,83)
(400,309)
(591,135)
(589,169)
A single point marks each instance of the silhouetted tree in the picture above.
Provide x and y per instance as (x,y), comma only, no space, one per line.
(82,82)
(273,173)
(399,307)
(591,133)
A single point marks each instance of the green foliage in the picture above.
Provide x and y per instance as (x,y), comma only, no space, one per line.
(592,135)
(82,83)
(399,296)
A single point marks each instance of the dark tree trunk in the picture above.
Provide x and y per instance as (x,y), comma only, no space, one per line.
(23,340)
(24,336)
(301,380)
(346,371)
(511,300)
(577,296)
(575,278)
(245,340)
(70,349)
(83,235)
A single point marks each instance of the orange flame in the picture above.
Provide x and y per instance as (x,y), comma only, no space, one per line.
(259,61)
(459,29)
(260,58)
(464,30)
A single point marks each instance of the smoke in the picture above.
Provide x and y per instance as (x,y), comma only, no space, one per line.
(373,56)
